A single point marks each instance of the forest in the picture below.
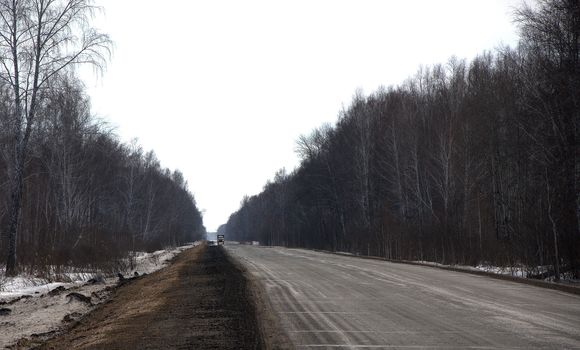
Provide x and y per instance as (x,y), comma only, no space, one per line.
(71,193)
(464,163)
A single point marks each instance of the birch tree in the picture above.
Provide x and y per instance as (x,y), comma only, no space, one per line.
(39,40)
(551,37)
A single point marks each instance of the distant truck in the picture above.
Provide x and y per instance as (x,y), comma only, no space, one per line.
(221,239)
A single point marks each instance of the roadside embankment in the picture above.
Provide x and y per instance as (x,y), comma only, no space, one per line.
(201,301)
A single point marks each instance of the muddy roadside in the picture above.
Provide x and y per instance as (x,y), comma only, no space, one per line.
(202,301)
(33,309)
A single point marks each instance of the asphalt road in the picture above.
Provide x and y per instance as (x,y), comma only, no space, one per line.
(338,302)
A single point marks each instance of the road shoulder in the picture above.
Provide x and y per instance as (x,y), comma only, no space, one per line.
(199,302)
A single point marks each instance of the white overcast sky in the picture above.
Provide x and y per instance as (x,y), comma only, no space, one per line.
(222,89)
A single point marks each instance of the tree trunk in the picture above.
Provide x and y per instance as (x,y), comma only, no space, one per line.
(577,177)
(16,201)
(554,232)
(556,253)
(576,115)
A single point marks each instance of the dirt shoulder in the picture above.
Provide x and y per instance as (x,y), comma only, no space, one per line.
(34,309)
(201,301)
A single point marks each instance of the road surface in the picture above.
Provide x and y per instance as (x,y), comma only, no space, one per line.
(329,301)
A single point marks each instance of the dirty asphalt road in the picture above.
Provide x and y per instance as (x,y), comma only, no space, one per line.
(339,302)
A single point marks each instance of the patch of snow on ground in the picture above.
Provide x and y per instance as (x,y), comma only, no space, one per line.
(15,287)
(150,262)
(40,313)
(514,271)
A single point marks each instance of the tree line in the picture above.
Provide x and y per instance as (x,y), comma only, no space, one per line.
(464,163)
(71,193)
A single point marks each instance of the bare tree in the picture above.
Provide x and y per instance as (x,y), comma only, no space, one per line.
(39,39)
(551,37)
(476,163)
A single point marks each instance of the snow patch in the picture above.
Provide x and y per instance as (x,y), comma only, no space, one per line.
(18,286)
(14,287)
(514,271)
(42,313)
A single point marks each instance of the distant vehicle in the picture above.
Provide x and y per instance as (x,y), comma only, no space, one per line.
(221,239)
(212,243)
